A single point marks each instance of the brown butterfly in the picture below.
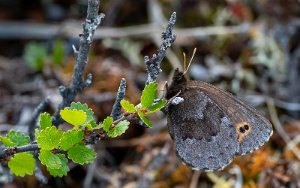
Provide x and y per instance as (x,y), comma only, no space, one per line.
(210,127)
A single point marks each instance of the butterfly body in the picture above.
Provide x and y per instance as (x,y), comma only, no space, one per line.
(211,126)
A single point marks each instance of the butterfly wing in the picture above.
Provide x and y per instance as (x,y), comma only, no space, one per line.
(205,137)
(252,129)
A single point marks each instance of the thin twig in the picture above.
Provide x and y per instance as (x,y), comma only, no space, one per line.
(39,109)
(149,175)
(39,174)
(280,130)
(69,29)
(13,150)
(195,179)
(89,176)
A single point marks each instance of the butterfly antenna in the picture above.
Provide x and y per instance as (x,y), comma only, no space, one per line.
(184,60)
(165,89)
(190,62)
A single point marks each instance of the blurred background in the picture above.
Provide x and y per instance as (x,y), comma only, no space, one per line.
(250,48)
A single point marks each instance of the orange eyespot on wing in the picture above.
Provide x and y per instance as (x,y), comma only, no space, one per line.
(243,129)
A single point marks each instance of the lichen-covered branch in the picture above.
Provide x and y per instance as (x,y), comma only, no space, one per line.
(153,63)
(89,26)
(6,152)
(116,110)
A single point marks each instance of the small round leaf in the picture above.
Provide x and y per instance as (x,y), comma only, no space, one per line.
(22,164)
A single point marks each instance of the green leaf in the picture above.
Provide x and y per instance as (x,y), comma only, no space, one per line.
(36,132)
(45,120)
(6,141)
(148,95)
(21,164)
(73,116)
(58,52)
(89,112)
(91,125)
(107,123)
(49,159)
(63,170)
(119,129)
(49,138)
(127,106)
(81,154)
(144,119)
(157,106)
(99,126)
(35,55)
(18,138)
(70,138)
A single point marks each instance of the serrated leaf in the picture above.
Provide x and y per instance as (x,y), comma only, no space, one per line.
(36,132)
(148,95)
(144,119)
(73,116)
(49,159)
(63,170)
(107,123)
(89,112)
(119,129)
(45,120)
(99,126)
(49,138)
(91,125)
(6,141)
(18,138)
(81,154)
(127,106)
(70,138)
(21,164)
(157,106)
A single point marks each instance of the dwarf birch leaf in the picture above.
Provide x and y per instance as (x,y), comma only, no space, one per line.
(45,120)
(49,159)
(70,138)
(36,132)
(89,112)
(18,138)
(73,116)
(119,129)
(127,106)
(49,138)
(21,164)
(144,119)
(157,106)
(107,123)
(6,141)
(63,170)
(91,125)
(148,95)
(81,154)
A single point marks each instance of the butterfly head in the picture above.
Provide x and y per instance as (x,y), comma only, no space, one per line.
(178,84)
